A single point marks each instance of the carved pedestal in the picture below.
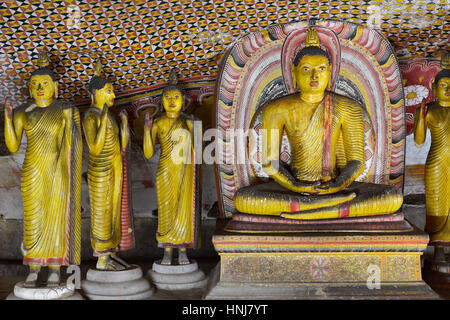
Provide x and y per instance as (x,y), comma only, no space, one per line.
(177,277)
(61,292)
(126,284)
(319,265)
(437,275)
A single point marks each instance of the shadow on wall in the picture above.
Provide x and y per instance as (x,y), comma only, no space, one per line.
(3,149)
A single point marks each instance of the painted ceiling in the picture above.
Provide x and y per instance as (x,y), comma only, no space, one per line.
(139,41)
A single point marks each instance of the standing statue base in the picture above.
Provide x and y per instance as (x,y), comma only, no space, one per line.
(128,284)
(177,277)
(437,275)
(312,264)
(61,292)
(439,266)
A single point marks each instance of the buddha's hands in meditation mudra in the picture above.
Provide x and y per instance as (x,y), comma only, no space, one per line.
(317,185)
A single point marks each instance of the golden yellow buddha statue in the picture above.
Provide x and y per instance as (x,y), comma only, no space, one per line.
(105,172)
(177,177)
(51,176)
(326,137)
(435,117)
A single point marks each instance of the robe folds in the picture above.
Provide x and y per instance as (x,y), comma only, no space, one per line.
(178,189)
(111,215)
(51,186)
(437,175)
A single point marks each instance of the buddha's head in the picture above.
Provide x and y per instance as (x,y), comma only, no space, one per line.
(101,89)
(311,68)
(43,86)
(441,83)
(172,97)
(102,92)
(172,101)
(442,87)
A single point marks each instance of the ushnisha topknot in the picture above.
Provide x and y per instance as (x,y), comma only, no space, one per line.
(173,79)
(312,47)
(445,65)
(97,82)
(43,62)
(445,61)
(173,83)
(98,68)
(312,38)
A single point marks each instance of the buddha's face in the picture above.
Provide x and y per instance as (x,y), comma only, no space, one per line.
(172,101)
(42,87)
(105,95)
(312,74)
(442,90)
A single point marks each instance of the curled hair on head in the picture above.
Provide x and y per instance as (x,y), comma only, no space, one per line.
(173,83)
(43,72)
(310,51)
(97,83)
(173,87)
(442,74)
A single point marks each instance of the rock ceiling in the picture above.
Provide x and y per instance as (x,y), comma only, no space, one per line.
(139,41)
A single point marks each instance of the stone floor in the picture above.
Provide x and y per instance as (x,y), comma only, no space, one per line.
(13,272)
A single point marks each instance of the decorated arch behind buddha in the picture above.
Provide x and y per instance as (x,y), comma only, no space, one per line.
(256,70)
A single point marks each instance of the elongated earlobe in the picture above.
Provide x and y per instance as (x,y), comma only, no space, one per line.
(433,90)
(329,79)
(294,81)
(56,90)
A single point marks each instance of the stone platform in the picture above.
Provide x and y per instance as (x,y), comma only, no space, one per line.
(319,265)
(126,284)
(61,292)
(177,277)
(437,275)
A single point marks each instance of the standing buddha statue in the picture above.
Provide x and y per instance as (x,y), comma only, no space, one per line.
(435,117)
(110,218)
(177,177)
(51,175)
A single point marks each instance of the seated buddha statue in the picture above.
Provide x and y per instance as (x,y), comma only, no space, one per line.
(319,124)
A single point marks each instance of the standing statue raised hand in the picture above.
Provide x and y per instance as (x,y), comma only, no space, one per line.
(8,109)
